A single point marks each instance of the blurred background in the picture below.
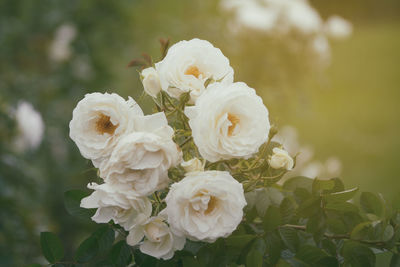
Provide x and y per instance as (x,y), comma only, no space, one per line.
(334,97)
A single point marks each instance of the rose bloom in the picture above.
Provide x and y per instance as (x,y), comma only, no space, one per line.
(141,159)
(228,121)
(117,203)
(151,81)
(159,241)
(98,122)
(281,159)
(30,127)
(189,64)
(205,205)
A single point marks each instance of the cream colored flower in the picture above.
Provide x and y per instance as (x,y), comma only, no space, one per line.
(189,64)
(159,240)
(193,165)
(117,203)
(281,159)
(151,81)
(99,121)
(141,159)
(228,121)
(205,205)
(30,127)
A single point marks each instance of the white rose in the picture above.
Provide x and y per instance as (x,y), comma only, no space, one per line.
(189,64)
(141,159)
(205,205)
(30,127)
(338,28)
(281,159)
(98,122)
(159,241)
(228,121)
(151,81)
(193,165)
(117,203)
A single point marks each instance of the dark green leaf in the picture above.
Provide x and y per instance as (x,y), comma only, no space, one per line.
(272,219)
(319,185)
(33,265)
(87,250)
(310,207)
(310,254)
(341,206)
(372,203)
(290,238)
(298,182)
(121,254)
(72,202)
(341,196)
(255,256)
(274,247)
(238,241)
(288,210)
(361,230)
(262,202)
(105,236)
(190,262)
(395,261)
(193,247)
(52,248)
(387,233)
(358,255)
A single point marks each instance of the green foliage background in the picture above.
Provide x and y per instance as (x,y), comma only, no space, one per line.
(350,110)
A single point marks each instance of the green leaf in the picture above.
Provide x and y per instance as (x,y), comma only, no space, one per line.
(193,247)
(262,203)
(287,209)
(121,254)
(341,206)
(387,233)
(290,238)
(310,207)
(361,230)
(322,185)
(105,236)
(274,247)
(87,250)
(372,203)
(72,202)
(190,262)
(272,219)
(52,248)
(238,241)
(298,182)
(395,261)
(340,196)
(358,255)
(255,256)
(34,265)
(310,254)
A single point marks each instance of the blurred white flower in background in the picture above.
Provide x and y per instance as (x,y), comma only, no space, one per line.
(277,18)
(305,164)
(338,28)
(60,49)
(30,127)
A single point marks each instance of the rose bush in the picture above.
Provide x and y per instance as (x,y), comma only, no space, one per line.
(198,183)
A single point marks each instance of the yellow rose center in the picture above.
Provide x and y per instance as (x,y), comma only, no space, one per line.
(193,70)
(234,121)
(212,203)
(104,125)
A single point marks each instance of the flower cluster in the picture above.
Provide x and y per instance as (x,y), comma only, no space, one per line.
(164,175)
(284,17)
